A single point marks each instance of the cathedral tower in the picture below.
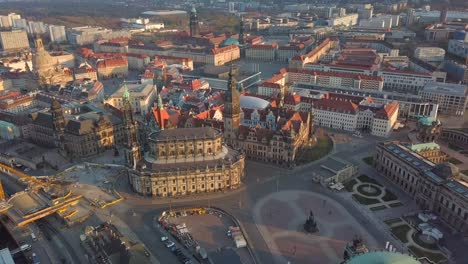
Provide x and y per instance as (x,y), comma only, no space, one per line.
(193,22)
(231,111)
(58,121)
(132,146)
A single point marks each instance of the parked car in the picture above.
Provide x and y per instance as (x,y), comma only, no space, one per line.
(164,238)
(25,247)
(169,244)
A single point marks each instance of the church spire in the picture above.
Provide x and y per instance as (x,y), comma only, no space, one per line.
(193,23)
(126,93)
(241,31)
(231,110)
(132,144)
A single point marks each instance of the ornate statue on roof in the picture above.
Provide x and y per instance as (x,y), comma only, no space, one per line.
(429,129)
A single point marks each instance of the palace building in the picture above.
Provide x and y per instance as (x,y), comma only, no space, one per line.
(272,135)
(78,136)
(180,161)
(440,188)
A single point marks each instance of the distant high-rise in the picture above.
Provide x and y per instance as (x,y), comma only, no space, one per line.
(443,15)
(7,21)
(193,22)
(410,16)
(57,33)
(14,40)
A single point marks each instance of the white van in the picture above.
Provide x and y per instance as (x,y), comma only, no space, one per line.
(25,247)
(33,236)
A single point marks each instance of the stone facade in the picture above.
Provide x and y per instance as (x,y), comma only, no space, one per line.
(440,188)
(457,136)
(82,136)
(187,160)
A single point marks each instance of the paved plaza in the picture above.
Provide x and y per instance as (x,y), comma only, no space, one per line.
(280,217)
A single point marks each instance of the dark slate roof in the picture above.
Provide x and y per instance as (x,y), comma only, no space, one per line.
(43,119)
(185,134)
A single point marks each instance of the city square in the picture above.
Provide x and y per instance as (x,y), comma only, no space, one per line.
(233,132)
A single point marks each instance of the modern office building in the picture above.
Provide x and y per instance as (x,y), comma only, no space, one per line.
(14,40)
(430,54)
(346,21)
(57,34)
(451,98)
(458,48)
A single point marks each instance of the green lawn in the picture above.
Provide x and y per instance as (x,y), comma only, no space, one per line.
(454,147)
(398,204)
(369,160)
(389,196)
(321,149)
(392,221)
(365,178)
(454,161)
(378,208)
(400,232)
(349,185)
(361,189)
(431,256)
(364,200)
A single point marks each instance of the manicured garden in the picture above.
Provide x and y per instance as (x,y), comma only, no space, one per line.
(365,178)
(434,257)
(369,160)
(349,185)
(400,232)
(364,200)
(454,161)
(389,196)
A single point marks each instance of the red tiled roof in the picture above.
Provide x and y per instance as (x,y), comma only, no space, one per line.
(9,94)
(270,85)
(224,49)
(273,45)
(333,105)
(161,116)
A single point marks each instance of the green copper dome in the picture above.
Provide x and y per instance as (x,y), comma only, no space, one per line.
(383,257)
(428,121)
(230,41)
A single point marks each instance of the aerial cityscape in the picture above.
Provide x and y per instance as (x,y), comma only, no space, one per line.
(234,132)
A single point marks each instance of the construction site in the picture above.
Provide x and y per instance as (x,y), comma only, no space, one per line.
(69,198)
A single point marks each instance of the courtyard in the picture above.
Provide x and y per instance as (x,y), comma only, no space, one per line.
(421,246)
(369,192)
(280,218)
